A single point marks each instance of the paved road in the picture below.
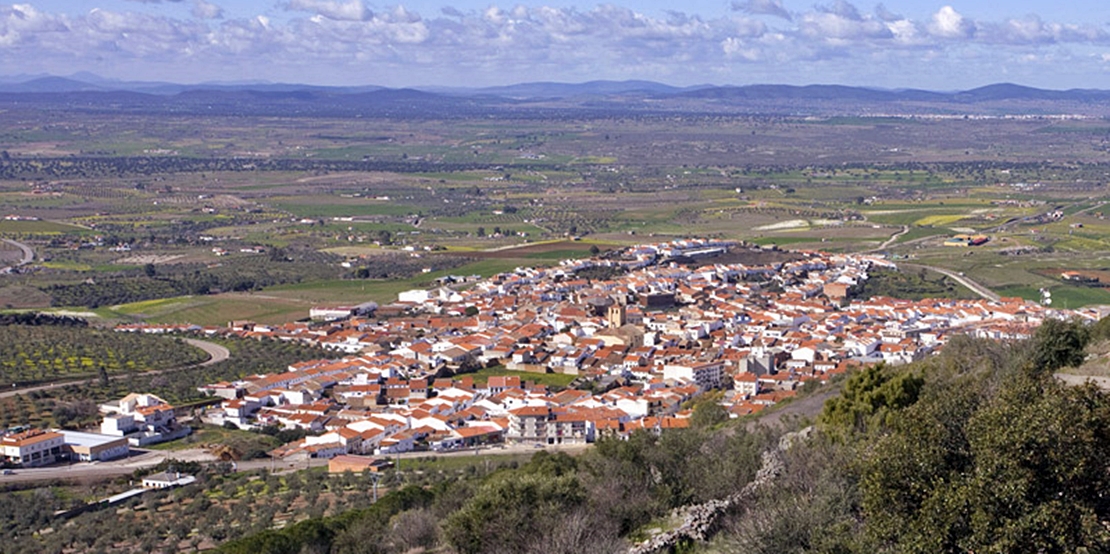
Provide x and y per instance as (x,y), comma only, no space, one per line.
(28,254)
(982,291)
(215,352)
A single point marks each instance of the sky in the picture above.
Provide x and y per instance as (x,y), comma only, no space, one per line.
(947,45)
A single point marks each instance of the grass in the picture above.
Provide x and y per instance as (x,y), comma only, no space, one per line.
(23,296)
(71,266)
(782,241)
(1063,297)
(383,291)
(921,232)
(1097,363)
(549,379)
(214,310)
(286,303)
(558,255)
(361,250)
(210,434)
(355,207)
(37,227)
(939,219)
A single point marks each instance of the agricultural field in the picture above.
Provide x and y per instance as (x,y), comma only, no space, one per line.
(222,506)
(200,220)
(32,355)
(73,405)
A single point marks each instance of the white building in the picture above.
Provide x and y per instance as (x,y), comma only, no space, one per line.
(33,448)
(93,447)
(705,375)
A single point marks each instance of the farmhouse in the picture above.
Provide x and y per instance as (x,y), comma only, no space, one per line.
(967,240)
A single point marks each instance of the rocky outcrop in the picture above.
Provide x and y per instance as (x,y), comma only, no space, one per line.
(698,520)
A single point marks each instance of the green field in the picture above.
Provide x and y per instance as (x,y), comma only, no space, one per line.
(1063,297)
(37,228)
(285,303)
(549,379)
(338,208)
(213,310)
(624,181)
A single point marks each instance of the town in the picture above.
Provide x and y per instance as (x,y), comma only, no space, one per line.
(640,333)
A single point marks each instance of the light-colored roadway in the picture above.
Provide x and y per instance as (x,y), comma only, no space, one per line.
(28,254)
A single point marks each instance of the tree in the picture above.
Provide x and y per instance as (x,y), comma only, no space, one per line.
(594,250)
(512,512)
(870,396)
(1058,344)
(471,311)
(983,466)
(707,414)
(1101,329)
(414,529)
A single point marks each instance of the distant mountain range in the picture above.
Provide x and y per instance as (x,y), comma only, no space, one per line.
(90,92)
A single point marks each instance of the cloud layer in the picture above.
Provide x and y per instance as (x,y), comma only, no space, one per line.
(348,42)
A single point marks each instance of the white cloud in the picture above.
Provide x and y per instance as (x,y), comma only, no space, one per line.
(835,26)
(206,10)
(844,10)
(1031,30)
(21,24)
(736,48)
(948,23)
(345,40)
(886,15)
(353,10)
(905,32)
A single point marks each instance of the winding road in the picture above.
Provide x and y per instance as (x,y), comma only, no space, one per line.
(982,291)
(977,288)
(216,354)
(890,241)
(28,254)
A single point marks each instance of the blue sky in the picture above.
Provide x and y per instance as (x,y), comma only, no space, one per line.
(957,44)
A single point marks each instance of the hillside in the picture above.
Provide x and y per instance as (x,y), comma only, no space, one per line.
(86,93)
(976,450)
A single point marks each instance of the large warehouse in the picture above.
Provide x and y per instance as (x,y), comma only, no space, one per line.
(91,447)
